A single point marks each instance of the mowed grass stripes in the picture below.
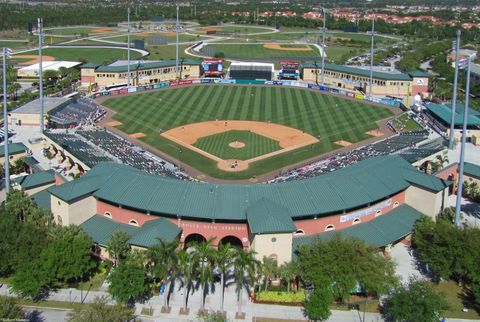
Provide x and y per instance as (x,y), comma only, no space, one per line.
(255,145)
(328,117)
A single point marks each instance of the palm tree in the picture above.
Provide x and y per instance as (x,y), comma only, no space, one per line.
(187,266)
(223,259)
(205,255)
(269,268)
(441,160)
(243,264)
(163,259)
(289,271)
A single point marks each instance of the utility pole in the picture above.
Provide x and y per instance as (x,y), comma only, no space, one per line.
(371,56)
(40,70)
(454,98)
(6,52)
(128,48)
(323,45)
(176,44)
(458,204)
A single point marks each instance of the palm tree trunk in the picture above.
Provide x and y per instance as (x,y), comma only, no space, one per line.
(288,286)
(185,294)
(266,284)
(165,294)
(202,307)
(222,285)
(240,301)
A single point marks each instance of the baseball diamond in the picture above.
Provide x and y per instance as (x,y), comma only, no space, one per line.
(327,117)
(221,145)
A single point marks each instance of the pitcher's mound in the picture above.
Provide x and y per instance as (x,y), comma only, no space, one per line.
(232,165)
(236,145)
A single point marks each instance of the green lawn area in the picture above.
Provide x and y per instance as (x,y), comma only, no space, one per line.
(166,52)
(253,51)
(328,117)
(405,123)
(181,38)
(457,299)
(14,44)
(337,53)
(255,145)
(78,31)
(98,55)
(240,29)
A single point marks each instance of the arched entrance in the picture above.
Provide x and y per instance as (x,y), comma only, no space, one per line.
(194,238)
(232,240)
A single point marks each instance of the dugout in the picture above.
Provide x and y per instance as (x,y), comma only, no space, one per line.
(251,71)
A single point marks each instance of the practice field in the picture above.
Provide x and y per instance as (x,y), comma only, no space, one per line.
(97,55)
(79,31)
(252,51)
(328,118)
(241,145)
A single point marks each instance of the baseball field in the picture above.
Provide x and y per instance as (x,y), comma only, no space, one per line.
(312,123)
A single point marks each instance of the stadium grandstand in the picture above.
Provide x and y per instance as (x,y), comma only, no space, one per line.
(381,207)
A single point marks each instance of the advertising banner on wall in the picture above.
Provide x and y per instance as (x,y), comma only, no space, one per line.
(314,86)
(206,81)
(132,89)
(359,96)
(123,91)
(225,81)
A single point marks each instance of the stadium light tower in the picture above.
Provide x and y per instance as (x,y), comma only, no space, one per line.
(128,48)
(323,45)
(458,204)
(176,44)
(6,53)
(454,98)
(40,70)
(371,56)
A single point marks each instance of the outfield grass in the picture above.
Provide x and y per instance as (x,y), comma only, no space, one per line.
(78,31)
(253,51)
(97,55)
(255,145)
(170,39)
(328,117)
(338,53)
(240,29)
(167,52)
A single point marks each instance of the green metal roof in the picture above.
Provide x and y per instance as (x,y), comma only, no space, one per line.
(42,199)
(101,228)
(146,65)
(472,170)
(90,65)
(30,161)
(13,148)
(355,186)
(444,112)
(266,216)
(419,73)
(36,179)
(358,71)
(380,231)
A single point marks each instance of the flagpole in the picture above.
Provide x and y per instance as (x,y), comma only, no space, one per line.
(176,45)
(40,70)
(128,48)
(454,98)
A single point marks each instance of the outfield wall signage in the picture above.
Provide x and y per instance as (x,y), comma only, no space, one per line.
(313,86)
(359,96)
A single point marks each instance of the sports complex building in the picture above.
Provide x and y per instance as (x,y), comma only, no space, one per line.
(355,80)
(377,200)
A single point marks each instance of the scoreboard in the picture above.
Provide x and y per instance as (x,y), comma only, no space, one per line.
(289,70)
(213,67)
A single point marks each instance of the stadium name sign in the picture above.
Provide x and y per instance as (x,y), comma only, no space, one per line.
(365,212)
(383,101)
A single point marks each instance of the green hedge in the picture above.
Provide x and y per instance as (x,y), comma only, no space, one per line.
(281,297)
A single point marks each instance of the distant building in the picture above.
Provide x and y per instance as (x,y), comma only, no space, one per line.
(32,70)
(141,72)
(463,56)
(29,114)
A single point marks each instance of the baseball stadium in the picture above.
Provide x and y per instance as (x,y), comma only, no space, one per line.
(262,155)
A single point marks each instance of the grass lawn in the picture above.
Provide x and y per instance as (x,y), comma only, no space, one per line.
(328,117)
(253,51)
(336,53)
(94,283)
(14,44)
(79,30)
(240,29)
(166,52)
(255,145)
(405,123)
(181,38)
(98,55)
(455,296)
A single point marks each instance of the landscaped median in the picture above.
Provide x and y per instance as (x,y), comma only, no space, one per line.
(285,298)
